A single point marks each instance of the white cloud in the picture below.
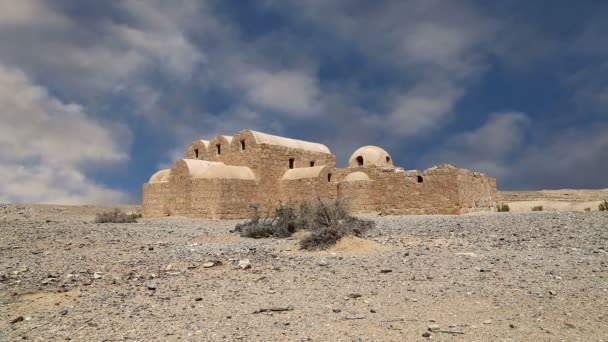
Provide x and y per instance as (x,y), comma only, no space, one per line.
(45,146)
(505,147)
(488,148)
(574,158)
(423,108)
(438,47)
(28,13)
(290,92)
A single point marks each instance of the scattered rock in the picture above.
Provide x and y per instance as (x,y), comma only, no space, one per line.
(198,299)
(98,275)
(17,320)
(426,334)
(487,321)
(433,327)
(63,312)
(151,286)
(245,264)
(386,270)
(208,264)
(354,295)
(274,309)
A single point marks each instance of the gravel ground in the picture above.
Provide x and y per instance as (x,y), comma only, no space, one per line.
(539,276)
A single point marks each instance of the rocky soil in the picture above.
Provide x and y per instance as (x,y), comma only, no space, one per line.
(540,276)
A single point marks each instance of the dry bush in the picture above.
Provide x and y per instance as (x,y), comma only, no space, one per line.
(503,208)
(328,236)
(329,221)
(116,216)
(537,208)
(603,206)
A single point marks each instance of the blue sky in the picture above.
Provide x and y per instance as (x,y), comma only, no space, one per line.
(95,96)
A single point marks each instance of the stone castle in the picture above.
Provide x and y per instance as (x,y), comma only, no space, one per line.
(222,178)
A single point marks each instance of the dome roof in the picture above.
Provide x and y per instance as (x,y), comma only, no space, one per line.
(370,155)
(160,176)
(356,176)
(304,172)
(263,138)
(192,168)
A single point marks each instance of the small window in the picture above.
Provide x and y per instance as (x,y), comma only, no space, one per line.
(388,159)
(360,160)
(196,153)
(219,149)
(420,179)
(312,164)
(329,177)
(291,162)
(242,145)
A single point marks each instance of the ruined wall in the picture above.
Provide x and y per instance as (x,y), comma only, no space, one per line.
(429,192)
(269,163)
(256,168)
(307,184)
(222,198)
(156,199)
(359,196)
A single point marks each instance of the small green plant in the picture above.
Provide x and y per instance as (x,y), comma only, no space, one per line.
(116,216)
(502,208)
(537,208)
(603,206)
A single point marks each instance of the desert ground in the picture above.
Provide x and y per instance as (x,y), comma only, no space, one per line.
(554,200)
(517,276)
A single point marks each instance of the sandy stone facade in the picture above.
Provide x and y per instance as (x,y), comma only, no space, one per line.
(223,177)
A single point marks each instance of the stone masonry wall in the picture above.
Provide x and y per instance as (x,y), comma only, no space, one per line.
(389,190)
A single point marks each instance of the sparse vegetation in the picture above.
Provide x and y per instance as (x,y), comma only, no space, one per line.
(587,209)
(328,222)
(537,208)
(603,206)
(503,208)
(117,216)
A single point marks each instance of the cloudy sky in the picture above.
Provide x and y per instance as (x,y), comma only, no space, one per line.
(95,96)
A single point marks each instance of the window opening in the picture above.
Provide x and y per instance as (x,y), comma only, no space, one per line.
(388,159)
(420,179)
(329,177)
(312,164)
(196,153)
(219,149)
(242,145)
(291,162)
(360,160)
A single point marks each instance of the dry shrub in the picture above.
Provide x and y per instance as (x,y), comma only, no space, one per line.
(116,216)
(603,206)
(329,221)
(328,236)
(502,208)
(537,208)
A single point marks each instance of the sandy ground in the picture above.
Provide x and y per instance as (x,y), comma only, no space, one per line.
(539,276)
(554,200)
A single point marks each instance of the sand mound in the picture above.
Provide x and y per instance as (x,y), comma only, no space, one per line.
(346,246)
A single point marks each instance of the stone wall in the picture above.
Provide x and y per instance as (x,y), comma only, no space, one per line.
(278,170)
(477,192)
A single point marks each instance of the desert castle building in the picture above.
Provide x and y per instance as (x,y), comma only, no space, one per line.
(222,178)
